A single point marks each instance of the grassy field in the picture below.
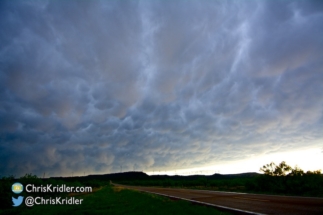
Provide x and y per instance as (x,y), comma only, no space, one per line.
(113,200)
(231,184)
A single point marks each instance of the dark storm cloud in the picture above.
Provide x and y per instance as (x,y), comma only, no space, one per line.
(90,86)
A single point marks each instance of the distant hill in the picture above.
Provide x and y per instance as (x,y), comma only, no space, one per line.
(214,176)
(124,175)
(239,175)
(112,176)
(143,176)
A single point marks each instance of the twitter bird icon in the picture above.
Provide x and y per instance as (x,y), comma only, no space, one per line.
(16,202)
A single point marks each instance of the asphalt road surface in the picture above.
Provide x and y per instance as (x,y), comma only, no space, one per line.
(242,203)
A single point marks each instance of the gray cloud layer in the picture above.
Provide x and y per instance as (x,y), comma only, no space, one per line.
(92,85)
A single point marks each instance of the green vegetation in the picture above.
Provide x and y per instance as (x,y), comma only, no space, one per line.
(278,179)
(201,182)
(113,200)
(283,179)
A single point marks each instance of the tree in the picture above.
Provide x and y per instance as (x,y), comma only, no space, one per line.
(282,169)
(315,172)
(268,169)
(296,172)
(273,170)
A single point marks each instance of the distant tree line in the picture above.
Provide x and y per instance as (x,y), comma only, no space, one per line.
(201,182)
(283,179)
(277,179)
(283,169)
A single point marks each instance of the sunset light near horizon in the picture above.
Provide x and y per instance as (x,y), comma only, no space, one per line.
(163,87)
(306,159)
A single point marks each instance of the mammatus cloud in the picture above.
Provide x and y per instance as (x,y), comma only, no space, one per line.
(93,86)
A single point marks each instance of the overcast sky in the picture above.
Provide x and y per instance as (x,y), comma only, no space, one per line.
(88,86)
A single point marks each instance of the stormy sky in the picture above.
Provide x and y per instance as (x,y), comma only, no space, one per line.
(90,86)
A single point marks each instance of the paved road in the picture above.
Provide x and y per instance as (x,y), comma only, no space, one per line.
(243,202)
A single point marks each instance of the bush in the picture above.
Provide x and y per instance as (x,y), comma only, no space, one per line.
(296,182)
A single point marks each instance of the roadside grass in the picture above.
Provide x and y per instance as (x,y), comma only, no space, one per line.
(115,200)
